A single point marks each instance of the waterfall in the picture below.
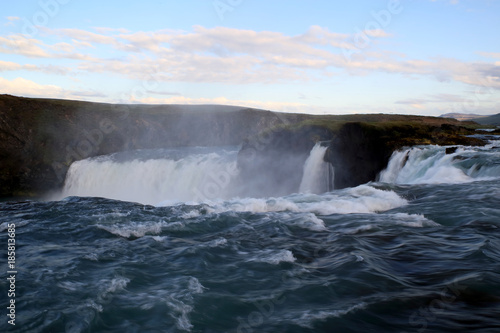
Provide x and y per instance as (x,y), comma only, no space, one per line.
(198,177)
(431,165)
(317,172)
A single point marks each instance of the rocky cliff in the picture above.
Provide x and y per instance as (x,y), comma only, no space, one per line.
(40,138)
(358,151)
(271,163)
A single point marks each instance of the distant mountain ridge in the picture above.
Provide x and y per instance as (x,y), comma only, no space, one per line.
(489,120)
(462,116)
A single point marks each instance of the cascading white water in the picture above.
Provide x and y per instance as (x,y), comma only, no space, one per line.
(431,165)
(316,172)
(198,177)
(167,176)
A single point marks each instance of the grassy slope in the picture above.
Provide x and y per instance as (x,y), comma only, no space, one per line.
(400,130)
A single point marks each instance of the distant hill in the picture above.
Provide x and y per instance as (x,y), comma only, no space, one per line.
(490,120)
(462,116)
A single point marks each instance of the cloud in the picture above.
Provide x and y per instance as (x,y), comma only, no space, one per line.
(80,44)
(11,20)
(435,98)
(494,55)
(378,33)
(81,35)
(24,87)
(9,66)
(238,56)
(49,69)
(481,101)
(218,54)
(18,44)
(204,55)
(490,54)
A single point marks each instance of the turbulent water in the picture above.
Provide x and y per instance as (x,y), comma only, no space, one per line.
(162,241)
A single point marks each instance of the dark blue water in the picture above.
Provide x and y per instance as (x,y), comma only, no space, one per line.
(410,255)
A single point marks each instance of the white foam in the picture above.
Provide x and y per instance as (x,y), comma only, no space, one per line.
(306,319)
(135,229)
(361,199)
(195,286)
(431,165)
(492,144)
(310,221)
(179,313)
(217,242)
(256,205)
(191,214)
(413,220)
(272,257)
(91,256)
(160,239)
(356,230)
(111,286)
(180,302)
(4,226)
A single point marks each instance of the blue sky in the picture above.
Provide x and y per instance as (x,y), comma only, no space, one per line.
(409,57)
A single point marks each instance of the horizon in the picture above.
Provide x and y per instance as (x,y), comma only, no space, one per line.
(427,58)
(248,107)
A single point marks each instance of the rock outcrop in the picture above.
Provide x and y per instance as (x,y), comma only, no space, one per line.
(358,151)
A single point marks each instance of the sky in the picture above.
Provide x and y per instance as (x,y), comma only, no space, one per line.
(424,57)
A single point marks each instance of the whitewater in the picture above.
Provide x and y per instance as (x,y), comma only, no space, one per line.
(167,240)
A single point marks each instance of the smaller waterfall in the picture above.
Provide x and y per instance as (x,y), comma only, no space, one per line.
(431,165)
(317,173)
